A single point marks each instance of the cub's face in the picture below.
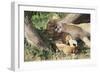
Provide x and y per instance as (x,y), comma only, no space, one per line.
(73,43)
(70,41)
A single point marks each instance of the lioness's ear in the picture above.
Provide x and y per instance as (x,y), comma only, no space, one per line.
(52,21)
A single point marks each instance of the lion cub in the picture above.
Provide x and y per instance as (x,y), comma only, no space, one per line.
(67,44)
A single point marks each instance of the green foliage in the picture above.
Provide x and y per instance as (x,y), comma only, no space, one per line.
(40,19)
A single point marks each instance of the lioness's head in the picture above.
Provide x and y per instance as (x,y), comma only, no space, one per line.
(54,27)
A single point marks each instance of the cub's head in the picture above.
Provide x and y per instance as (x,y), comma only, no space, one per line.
(70,41)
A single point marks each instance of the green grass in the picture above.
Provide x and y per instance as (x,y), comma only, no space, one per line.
(37,54)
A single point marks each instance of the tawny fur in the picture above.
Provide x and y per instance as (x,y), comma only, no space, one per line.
(77,32)
(66,48)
